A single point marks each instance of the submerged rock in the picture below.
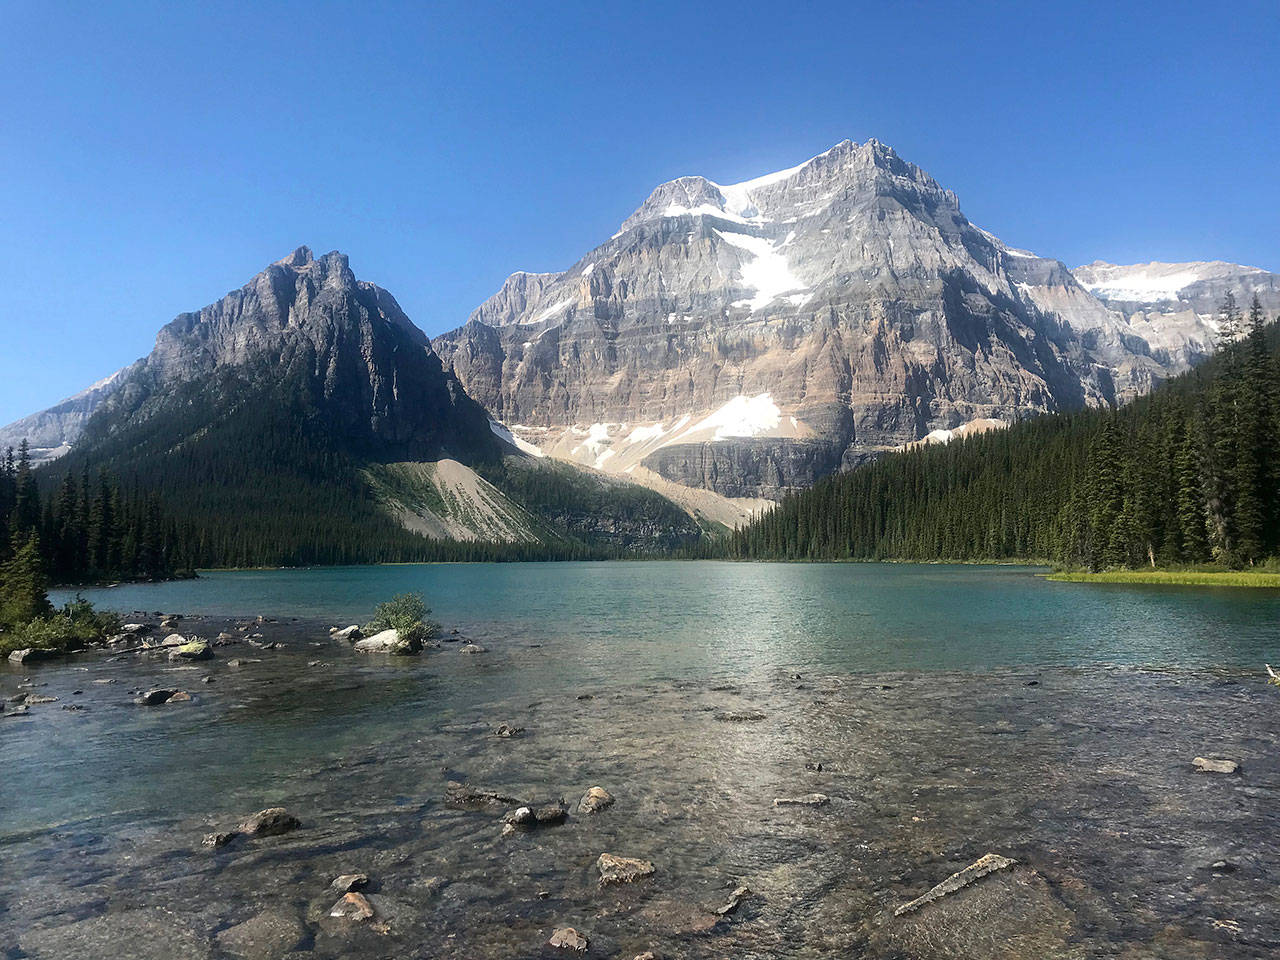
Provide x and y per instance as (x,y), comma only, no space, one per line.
(465,795)
(567,938)
(219,838)
(267,936)
(507,730)
(808,800)
(40,698)
(980,868)
(141,934)
(735,900)
(616,869)
(1216,765)
(270,823)
(747,717)
(471,648)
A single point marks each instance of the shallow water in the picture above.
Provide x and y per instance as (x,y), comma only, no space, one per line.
(675,687)
(624,621)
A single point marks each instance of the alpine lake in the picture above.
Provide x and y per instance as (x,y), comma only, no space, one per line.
(922,716)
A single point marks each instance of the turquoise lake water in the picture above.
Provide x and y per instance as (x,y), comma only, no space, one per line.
(632,620)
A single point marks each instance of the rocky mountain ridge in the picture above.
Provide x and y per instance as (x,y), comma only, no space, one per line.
(748,338)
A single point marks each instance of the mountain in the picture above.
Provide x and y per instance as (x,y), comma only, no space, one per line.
(1188,474)
(304,418)
(1174,306)
(749,338)
(51,432)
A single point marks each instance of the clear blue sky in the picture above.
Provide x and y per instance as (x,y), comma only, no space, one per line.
(154,156)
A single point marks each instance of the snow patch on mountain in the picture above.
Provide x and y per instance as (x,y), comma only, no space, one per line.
(1152,282)
(742,417)
(767,272)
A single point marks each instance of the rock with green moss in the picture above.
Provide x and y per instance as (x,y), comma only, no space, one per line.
(192,650)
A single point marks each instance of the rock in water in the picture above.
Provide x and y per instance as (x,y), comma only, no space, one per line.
(352,906)
(595,800)
(194,649)
(616,869)
(153,697)
(980,868)
(567,938)
(219,838)
(267,936)
(471,648)
(351,633)
(808,800)
(1216,765)
(461,794)
(349,882)
(735,900)
(507,730)
(32,655)
(388,641)
(270,823)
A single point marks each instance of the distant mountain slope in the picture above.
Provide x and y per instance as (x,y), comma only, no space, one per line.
(1188,474)
(272,422)
(749,338)
(51,432)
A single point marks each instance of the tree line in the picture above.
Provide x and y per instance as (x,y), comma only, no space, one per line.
(1187,475)
(86,528)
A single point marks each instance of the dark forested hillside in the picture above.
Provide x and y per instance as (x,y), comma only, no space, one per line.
(1189,474)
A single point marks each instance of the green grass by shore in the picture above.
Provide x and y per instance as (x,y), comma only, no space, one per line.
(1190,578)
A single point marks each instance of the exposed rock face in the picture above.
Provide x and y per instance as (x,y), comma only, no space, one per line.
(1174,306)
(344,343)
(51,432)
(750,338)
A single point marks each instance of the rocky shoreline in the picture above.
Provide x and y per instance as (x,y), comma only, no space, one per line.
(338,803)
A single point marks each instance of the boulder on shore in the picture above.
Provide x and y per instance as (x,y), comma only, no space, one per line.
(388,641)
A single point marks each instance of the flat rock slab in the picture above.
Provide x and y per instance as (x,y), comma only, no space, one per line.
(1215,765)
(266,936)
(808,800)
(980,868)
(144,934)
(1012,914)
(616,869)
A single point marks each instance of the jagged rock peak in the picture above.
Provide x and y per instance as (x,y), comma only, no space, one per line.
(784,194)
(299,258)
